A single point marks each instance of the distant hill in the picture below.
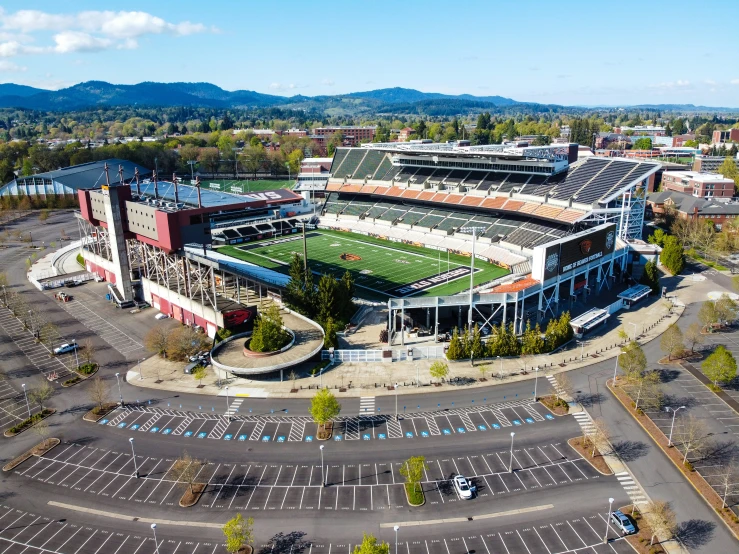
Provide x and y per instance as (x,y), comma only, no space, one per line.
(10,89)
(399,95)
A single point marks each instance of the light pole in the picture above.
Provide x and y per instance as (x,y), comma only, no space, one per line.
(26,396)
(396,401)
(473,230)
(228,416)
(396,529)
(610,505)
(582,348)
(672,425)
(536,380)
(634,324)
(76,358)
(156,544)
(141,377)
(510,465)
(135,465)
(120,395)
(501,365)
(323,476)
(615,369)
(192,163)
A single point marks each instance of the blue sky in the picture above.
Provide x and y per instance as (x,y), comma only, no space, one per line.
(566,52)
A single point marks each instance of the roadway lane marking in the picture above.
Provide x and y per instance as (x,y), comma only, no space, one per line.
(465,519)
(114,515)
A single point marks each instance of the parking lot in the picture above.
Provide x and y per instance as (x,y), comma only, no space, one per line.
(243,427)
(730,340)
(267,486)
(13,407)
(29,533)
(37,353)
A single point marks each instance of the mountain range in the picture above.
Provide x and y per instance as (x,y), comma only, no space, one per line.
(383,101)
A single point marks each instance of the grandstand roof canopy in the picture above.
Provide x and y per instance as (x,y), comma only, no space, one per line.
(89,175)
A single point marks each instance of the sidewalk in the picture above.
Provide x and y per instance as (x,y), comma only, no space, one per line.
(372,379)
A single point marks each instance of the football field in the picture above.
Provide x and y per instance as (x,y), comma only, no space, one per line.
(245,186)
(379,266)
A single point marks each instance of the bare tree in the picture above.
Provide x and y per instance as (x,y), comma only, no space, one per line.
(693,336)
(562,385)
(184,342)
(49,335)
(158,339)
(42,393)
(87,351)
(729,480)
(671,342)
(660,519)
(99,392)
(186,469)
(41,429)
(691,433)
(293,377)
(599,437)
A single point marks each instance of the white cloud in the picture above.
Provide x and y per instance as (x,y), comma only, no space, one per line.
(276,86)
(7,66)
(680,83)
(87,31)
(76,41)
(735,81)
(710,82)
(328,82)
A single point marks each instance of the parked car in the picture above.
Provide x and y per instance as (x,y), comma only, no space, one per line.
(66,347)
(622,523)
(69,284)
(99,279)
(462,486)
(161,316)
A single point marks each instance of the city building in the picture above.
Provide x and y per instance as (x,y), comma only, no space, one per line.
(709,164)
(405,134)
(729,135)
(688,206)
(604,140)
(702,185)
(352,136)
(680,140)
(641,130)
(313,176)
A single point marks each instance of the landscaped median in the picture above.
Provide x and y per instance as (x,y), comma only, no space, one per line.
(640,541)
(694,478)
(39,450)
(29,422)
(99,412)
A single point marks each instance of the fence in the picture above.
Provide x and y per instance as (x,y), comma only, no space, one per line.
(353,355)
(60,282)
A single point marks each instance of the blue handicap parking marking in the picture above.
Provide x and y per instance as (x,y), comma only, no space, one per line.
(309,438)
(337,438)
(188,433)
(153,429)
(382,436)
(202,435)
(122,424)
(266,438)
(461,430)
(409,434)
(103,421)
(167,431)
(482,428)
(228,437)
(134,426)
(529,420)
(447,432)
(496,426)
(281,438)
(516,422)
(366,437)
(242,438)
(424,433)
(549,416)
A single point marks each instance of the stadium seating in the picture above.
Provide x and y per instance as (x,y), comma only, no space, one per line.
(492,180)
(369,164)
(513,180)
(456,177)
(578,178)
(339,156)
(350,163)
(385,166)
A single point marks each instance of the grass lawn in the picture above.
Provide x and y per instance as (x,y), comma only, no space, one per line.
(382,265)
(245,186)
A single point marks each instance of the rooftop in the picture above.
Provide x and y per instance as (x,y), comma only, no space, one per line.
(700,177)
(92,174)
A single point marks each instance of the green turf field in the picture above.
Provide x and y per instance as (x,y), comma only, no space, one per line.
(242,187)
(383,267)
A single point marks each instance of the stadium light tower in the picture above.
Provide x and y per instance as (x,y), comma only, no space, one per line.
(473,231)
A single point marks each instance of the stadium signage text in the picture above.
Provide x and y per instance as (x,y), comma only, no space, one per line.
(583,261)
(429,282)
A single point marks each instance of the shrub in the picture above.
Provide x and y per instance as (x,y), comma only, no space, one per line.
(268,334)
(87,369)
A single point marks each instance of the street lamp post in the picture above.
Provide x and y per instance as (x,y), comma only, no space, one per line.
(510,465)
(501,365)
(615,369)
(28,407)
(156,544)
(672,425)
(323,475)
(610,505)
(634,324)
(76,357)
(582,348)
(396,401)
(396,529)
(141,377)
(228,416)
(133,452)
(120,394)
(536,380)
(192,163)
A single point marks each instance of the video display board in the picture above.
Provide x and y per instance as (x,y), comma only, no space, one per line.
(577,251)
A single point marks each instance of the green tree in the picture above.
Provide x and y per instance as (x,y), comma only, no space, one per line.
(720,366)
(671,341)
(673,257)
(326,297)
(295,294)
(725,309)
(43,392)
(650,277)
(658,237)
(330,338)
(632,359)
(439,370)
(294,159)
(238,532)
(344,294)
(324,407)
(729,170)
(253,159)
(476,347)
(693,336)
(371,546)
(644,143)
(532,341)
(678,126)
(269,334)
(454,350)
(708,315)
(413,469)
(336,140)
(199,373)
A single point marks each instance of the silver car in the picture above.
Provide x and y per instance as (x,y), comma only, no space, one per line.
(462,486)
